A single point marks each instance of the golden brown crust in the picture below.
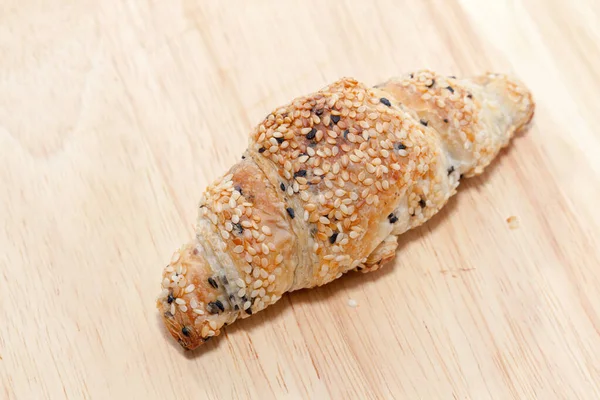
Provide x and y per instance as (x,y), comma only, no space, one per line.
(326,185)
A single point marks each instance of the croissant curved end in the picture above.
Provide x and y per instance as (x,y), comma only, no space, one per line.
(192,307)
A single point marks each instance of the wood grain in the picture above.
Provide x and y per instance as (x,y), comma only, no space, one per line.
(115,115)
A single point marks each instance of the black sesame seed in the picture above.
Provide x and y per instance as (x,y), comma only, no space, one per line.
(279,140)
(446,120)
(261,150)
(422,203)
(451,170)
(452,77)
(213,307)
(385,101)
(346,134)
(170,298)
(424,123)
(243,157)
(232,298)
(311,135)
(450,89)
(335,119)
(291,212)
(470,96)
(301,173)
(412,76)
(319,112)
(224,280)
(282,187)
(238,228)
(432,83)
(333,237)
(220,305)
(399,146)
(186,331)
(213,283)
(461,176)
(249,311)
(392,218)
(239,189)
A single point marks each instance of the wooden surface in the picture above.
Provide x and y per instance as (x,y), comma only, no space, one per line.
(114,116)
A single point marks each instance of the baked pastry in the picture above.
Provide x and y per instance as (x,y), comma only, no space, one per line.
(327,184)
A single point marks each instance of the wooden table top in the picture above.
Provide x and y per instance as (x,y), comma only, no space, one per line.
(115,115)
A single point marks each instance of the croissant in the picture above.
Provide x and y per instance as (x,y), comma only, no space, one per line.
(327,184)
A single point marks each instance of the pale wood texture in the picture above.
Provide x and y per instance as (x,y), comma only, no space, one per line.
(114,116)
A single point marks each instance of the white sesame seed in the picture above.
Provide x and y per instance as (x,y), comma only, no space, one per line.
(205,330)
(172,310)
(183,308)
(265,249)
(190,288)
(179,300)
(240,282)
(198,311)
(212,324)
(247,305)
(241,292)
(352,303)
(175,257)
(238,249)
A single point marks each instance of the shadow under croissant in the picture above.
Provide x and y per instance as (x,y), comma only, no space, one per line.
(348,281)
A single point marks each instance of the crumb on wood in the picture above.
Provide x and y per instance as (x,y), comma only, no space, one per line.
(352,303)
(513,222)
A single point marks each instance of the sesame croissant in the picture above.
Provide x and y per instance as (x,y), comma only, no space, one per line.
(327,184)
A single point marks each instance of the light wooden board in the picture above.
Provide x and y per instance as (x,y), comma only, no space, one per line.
(114,116)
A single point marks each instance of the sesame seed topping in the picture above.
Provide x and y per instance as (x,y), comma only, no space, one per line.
(291,212)
(190,288)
